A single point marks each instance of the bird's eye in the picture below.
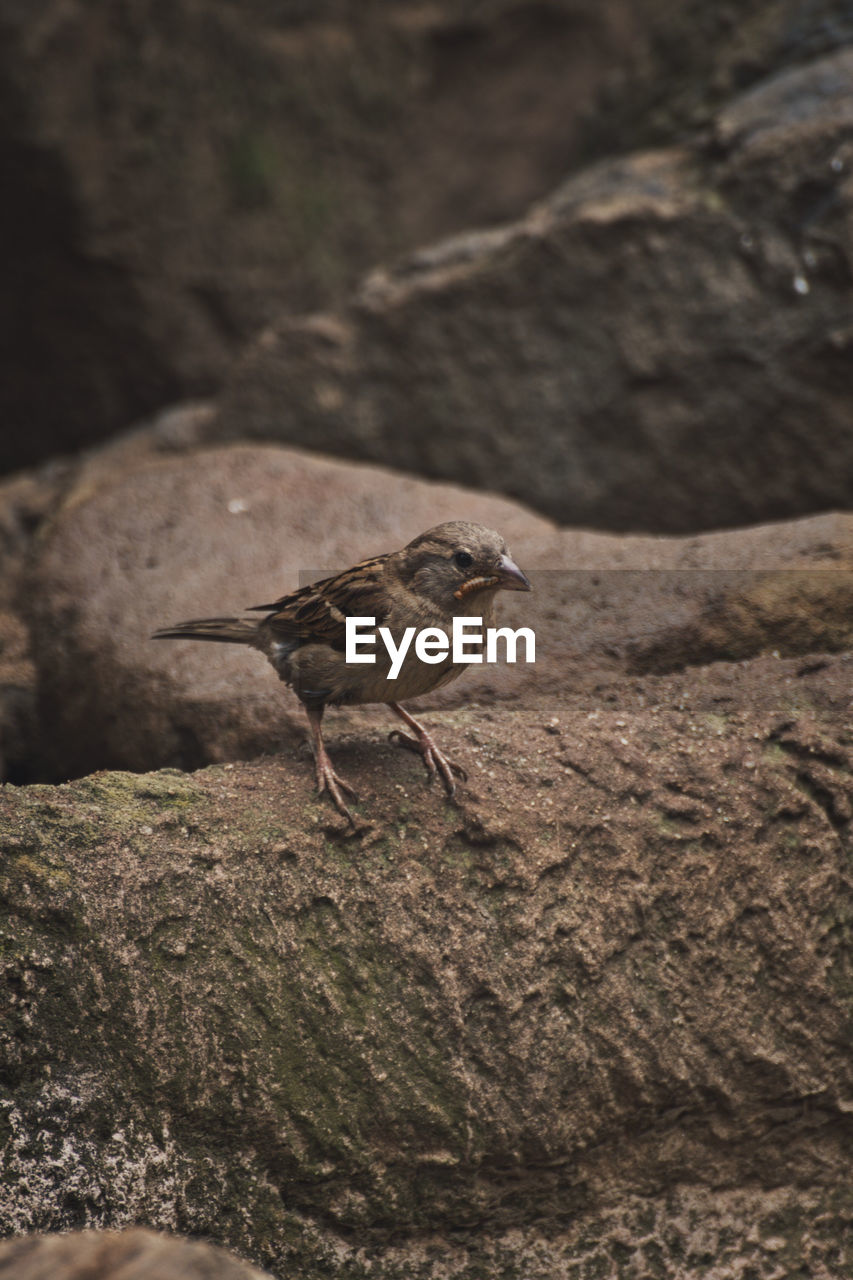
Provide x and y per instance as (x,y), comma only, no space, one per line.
(464,559)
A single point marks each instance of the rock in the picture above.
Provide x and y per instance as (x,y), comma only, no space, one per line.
(662,345)
(192,536)
(697,58)
(26,501)
(18,712)
(174,179)
(592,1019)
(118,1255)
(210,532)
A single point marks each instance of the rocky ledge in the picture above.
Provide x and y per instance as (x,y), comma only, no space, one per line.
(592,1018)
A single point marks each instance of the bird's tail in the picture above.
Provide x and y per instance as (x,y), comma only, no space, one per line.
(226,630)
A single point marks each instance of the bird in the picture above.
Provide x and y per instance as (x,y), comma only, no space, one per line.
(453,570)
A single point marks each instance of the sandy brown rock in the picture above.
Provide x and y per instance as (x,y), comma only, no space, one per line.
(18,711)
(27,499)
(28,502)
(209,533)
(661,345)
(593,1018)
(195,536)
(118,1255)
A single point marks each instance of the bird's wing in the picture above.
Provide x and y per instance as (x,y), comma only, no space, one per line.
(318,613)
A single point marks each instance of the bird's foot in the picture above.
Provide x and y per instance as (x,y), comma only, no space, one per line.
(435,761)
(328,780)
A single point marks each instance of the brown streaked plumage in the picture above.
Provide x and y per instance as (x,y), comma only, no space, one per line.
(455,569)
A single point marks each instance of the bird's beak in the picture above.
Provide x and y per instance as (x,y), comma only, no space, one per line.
(510,577)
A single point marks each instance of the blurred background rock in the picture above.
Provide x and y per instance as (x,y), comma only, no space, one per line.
(181,179)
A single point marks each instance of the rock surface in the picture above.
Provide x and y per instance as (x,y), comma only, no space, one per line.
(203,534)
(593,1020)
(28,502)
(175,176)
(210,532)
(114,1255)
(662,345)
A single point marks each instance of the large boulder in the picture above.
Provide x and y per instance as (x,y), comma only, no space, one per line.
(593,1019)
(663,344)
(202,534)
(207,533)
(174,176)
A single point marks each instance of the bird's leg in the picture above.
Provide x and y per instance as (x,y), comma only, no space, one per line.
(435,760)
(327,779)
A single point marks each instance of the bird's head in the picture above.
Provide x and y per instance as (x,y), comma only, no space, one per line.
(459,566)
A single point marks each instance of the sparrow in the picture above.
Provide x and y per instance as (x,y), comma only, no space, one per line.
(455,569)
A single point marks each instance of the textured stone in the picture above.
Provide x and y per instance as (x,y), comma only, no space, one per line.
(18,714)
(592,1019)
(200,535)
(662,345)
(175,176)
(207,533)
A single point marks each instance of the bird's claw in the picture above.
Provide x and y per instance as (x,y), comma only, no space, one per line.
(434,760)
(328,780)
